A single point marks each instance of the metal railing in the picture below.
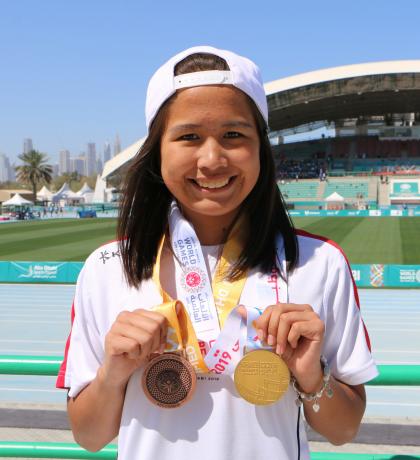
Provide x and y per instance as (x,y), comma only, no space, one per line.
(48,365)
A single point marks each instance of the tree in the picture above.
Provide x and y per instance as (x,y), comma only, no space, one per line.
(34,170)
(72,177)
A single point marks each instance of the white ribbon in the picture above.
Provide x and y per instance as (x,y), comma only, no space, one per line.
(227,346)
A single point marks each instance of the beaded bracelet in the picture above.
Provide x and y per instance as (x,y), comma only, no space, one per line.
(301,396)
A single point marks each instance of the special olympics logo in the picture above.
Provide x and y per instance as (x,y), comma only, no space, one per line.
(193,279)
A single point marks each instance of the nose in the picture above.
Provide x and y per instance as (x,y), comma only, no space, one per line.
(211,155)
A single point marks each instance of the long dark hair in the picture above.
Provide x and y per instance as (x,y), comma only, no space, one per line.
(143,217)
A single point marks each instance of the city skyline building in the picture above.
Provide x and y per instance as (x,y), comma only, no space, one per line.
(27,145)
(91,159)
(5,169)
(99,166)
(82,157)
(107,152)
(117,145)
(55,170)
(64,162)
(78,165)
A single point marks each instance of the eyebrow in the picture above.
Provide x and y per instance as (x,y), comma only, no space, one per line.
(183,127)
(192,126)
(237,124)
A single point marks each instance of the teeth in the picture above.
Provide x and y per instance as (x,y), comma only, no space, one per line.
(212,184)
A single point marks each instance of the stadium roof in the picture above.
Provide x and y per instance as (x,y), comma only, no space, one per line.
(338,93)
(122,158)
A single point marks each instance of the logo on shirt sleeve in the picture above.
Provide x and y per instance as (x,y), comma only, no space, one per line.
(107,255)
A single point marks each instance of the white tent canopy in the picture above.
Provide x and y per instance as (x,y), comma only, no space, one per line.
(85,189)
(66,194)
(44,194)
(334,197)
(17,200)
(334,201)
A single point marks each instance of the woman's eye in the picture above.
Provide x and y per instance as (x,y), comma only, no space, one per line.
(233,134)
(188,137)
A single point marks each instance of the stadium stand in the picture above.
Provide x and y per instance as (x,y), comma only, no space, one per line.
(307,190)
(347,156)
(312,193)
(299,169)
(347,189)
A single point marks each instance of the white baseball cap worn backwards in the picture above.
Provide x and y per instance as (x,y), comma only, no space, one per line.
(242,74)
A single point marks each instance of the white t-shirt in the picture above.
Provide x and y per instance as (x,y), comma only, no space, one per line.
(216,424)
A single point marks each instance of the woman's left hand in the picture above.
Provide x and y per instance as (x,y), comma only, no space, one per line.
(296,333)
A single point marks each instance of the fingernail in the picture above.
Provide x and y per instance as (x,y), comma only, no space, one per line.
(278,350)
(162,348)
(271,340)
(260,334)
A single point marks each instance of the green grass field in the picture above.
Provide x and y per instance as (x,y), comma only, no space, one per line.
(56,239)
(365,240)
(388,240)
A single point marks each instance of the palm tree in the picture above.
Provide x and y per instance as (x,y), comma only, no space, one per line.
(34,170)
(71,177)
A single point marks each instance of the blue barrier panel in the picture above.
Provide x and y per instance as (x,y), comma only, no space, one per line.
(403,275)
(380,275)
(334,213)
(73,270)
(4,271)
(383,212)
(373,275)
(39,272)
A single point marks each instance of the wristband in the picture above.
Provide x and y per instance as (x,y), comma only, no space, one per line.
(302,396)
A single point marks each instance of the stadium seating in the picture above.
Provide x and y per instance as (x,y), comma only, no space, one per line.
(361,155)
(353,189)
(300,190)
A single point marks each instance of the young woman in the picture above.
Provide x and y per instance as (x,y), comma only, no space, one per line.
(200,195)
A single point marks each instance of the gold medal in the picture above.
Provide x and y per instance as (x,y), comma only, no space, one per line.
(169,380)
(261,377)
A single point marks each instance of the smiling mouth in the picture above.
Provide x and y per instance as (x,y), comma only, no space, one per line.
(213,184)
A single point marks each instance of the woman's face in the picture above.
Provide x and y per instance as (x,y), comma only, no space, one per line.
(210,152)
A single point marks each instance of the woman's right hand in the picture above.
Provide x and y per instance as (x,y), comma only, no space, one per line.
(133,337)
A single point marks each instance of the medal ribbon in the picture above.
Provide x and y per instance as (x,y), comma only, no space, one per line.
(208,304)
(252,342)
(181,334)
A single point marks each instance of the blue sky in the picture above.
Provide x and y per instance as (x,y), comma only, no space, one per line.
(76,72)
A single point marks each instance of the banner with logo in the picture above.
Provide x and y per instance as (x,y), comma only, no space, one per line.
(333,213)
(383,212)
(372,275)
(39,272)
(404,275)
(380,275)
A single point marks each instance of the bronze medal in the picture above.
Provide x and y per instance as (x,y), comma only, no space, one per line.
(169,380)
(261,377)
